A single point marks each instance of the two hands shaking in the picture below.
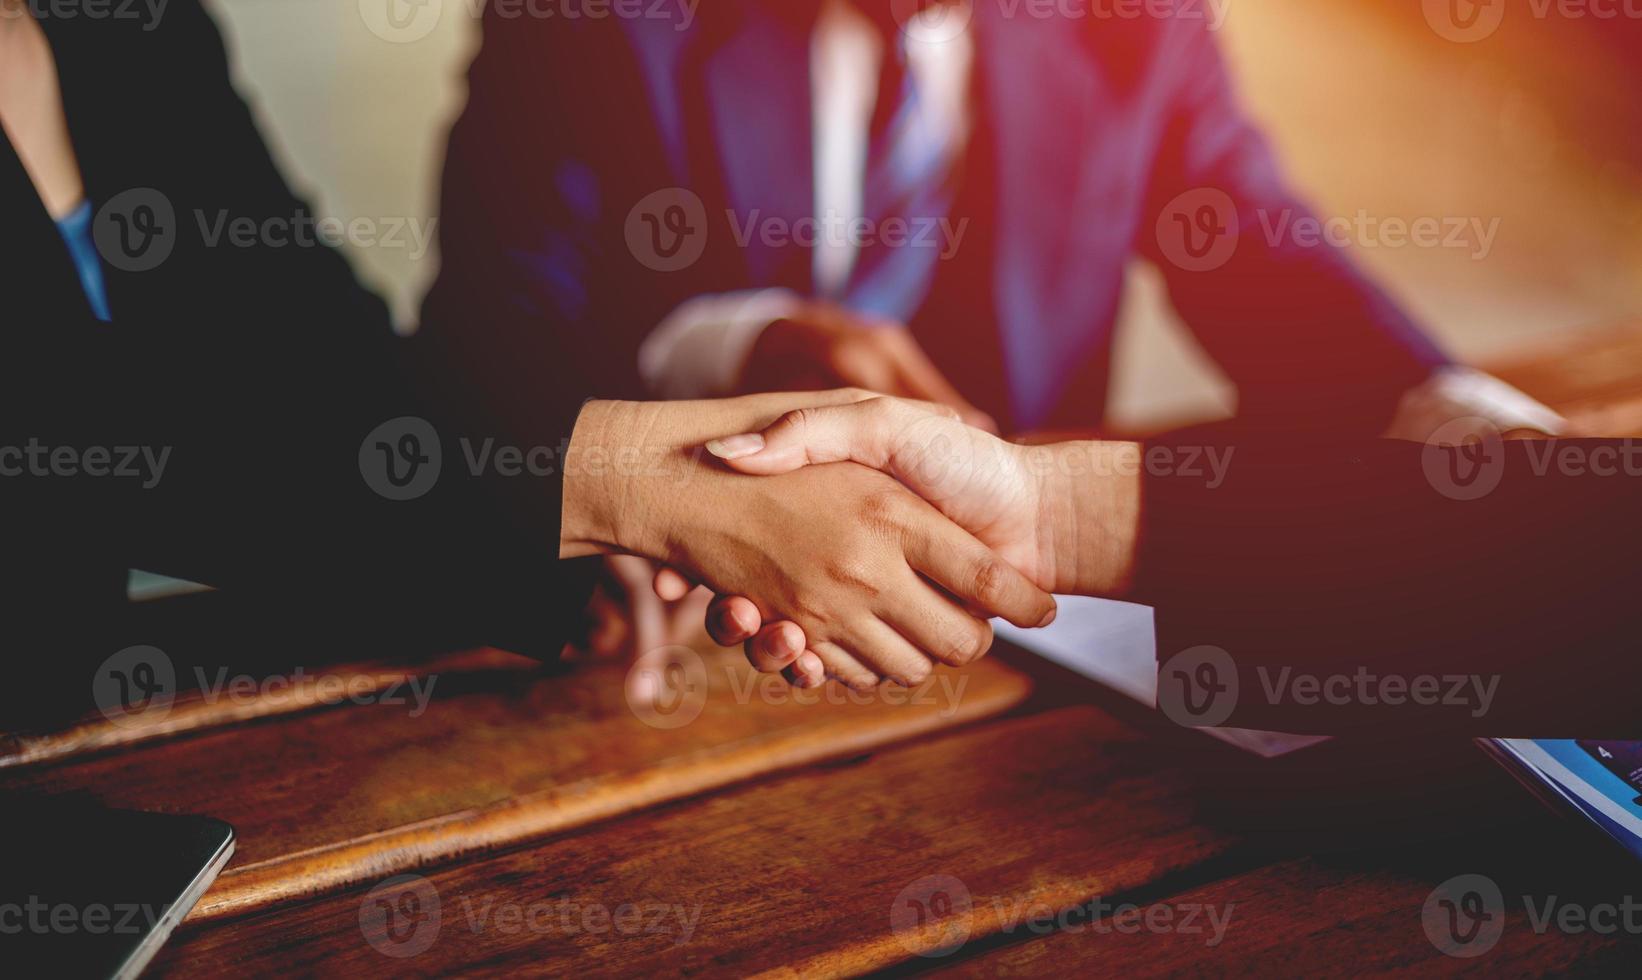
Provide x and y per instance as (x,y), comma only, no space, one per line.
(847,535)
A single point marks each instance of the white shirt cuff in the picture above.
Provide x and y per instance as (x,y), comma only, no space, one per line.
(1458,393)
(698,351)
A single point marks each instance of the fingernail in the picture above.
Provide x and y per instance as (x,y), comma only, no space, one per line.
(790,647)
(735,447)
(1048,618)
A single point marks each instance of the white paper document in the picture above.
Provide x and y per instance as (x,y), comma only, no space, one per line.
(1114,643)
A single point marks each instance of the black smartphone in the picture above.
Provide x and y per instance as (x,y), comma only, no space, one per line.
(93,892)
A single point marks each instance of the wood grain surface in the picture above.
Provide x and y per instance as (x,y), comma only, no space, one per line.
(820,873)
(330,798)
(1363,914)
(194,711)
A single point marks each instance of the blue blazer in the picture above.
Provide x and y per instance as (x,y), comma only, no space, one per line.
(1096,142)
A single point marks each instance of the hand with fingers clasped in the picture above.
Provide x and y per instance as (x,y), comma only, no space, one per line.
(877,582)
(1065,514)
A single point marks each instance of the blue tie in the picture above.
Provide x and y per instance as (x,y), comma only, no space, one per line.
(908,179)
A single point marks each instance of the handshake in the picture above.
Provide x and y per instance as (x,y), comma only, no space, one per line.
(847,535)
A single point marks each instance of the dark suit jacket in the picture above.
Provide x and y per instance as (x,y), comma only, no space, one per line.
(1387,561)
(1087,129)
(262,368)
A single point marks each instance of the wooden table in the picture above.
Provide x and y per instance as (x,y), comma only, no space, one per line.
(483,815)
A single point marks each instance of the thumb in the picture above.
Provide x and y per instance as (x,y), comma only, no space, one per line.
(858,432)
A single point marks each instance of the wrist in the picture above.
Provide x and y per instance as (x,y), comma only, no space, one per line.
(603,488)
(1089,516)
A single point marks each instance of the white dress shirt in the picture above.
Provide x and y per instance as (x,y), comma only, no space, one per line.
(699,349)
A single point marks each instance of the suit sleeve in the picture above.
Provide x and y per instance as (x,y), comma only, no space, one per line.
(1301,332)
(265,410)
(1389,562)
(537,286)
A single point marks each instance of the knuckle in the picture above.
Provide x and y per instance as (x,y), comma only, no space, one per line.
(861,682)
(852,570)
(916,674)
(883,506)
(991,582)
(798,420)
(968,646)
(880,410)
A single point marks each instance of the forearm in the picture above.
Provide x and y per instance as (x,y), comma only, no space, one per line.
(1329,562)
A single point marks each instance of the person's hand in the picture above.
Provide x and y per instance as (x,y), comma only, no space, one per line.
(855,561)
(826,346)
(1064,514)
(629,614)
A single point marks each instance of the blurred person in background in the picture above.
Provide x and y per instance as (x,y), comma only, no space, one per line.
(778,196)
